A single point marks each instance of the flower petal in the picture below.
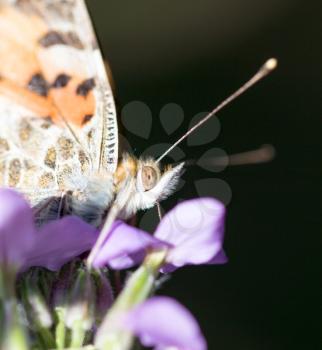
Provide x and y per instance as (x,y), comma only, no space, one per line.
(60,241)
(163,322)
(125,247)
(195,228)
(17,231)
(218,259)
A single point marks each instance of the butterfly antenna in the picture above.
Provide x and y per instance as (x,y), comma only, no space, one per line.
(263,154)
(267,68)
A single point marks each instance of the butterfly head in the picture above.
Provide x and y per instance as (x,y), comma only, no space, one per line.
(144,183)
(156,181)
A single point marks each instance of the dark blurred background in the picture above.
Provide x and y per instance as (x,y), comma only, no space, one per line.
(195,53)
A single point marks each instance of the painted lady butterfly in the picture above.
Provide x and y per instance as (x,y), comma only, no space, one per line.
(59,135)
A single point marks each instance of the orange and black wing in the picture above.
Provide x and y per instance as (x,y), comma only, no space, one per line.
(57,111)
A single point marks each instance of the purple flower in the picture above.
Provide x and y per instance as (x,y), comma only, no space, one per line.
(163,323)
(192,233)
(23,246)
(126,246)
(195,228)
(59,242)
(17,232)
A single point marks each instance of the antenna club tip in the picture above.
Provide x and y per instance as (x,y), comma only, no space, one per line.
(270,64)
(268,151)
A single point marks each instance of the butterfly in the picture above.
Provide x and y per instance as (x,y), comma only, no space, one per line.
(59,133)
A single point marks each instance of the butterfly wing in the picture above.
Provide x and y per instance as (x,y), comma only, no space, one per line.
(56,103)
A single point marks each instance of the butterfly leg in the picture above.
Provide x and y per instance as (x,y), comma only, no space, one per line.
(63,206)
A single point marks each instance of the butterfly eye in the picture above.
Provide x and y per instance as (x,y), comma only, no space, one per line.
(149,177)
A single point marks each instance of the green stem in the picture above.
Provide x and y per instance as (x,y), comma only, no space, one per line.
(78,335)
(14,335)
(60,331)
(46,337)
(141,283)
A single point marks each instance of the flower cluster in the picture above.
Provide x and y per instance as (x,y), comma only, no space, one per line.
(51,299)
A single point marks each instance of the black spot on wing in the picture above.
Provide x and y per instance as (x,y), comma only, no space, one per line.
(87,118)
(85,87)
(38,84)
(61,81)
(73,39)
(52,38)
